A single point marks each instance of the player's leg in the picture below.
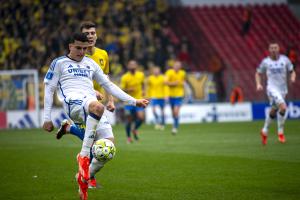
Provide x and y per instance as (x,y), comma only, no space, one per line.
(156,117)
(270,116)
(95,110)
(162,111)
(175,113)
(67,128)
(175,105)
(129,113)
(280,121)
(268,120)
(104,130)
(139,118)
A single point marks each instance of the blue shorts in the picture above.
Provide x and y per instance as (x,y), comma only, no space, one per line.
(158,102)
(132,109)
(175,101)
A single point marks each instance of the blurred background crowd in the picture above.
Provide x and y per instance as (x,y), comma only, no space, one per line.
(219,45)
(126,29)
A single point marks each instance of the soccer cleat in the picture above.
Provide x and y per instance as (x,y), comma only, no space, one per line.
(281,138)
(83,167)
(264,137)
(62,129)
(174,131)
(83,187)
(135,134)
(93,183)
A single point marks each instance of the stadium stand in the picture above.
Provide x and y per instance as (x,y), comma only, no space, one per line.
(205,38)
(33,32)
(215,32)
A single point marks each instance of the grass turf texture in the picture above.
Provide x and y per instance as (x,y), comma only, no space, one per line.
(204,161)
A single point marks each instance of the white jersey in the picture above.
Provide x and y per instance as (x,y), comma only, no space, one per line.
(276,71)
(74,81)
(72,78)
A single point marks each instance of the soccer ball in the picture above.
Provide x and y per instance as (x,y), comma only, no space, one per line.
(103,150)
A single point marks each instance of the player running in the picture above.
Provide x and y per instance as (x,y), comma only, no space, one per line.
(277,67)
(72,77)
(175,79)
(156,91)
(132,82)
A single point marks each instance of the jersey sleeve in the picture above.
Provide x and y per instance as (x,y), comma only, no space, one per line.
(289,65)
(106,68)
(99,75)
(53,74)
(262,67)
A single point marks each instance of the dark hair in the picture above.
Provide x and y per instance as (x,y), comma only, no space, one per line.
(272,41)
(87,25)
(78,37)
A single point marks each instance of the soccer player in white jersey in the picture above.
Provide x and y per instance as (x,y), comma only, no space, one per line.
(277,68)
(72,76)
(104,129)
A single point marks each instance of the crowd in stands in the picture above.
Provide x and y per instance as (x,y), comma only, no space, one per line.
(33,32)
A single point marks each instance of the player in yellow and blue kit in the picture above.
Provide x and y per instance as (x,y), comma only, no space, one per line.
(156,91)
(132,82)
(175,79)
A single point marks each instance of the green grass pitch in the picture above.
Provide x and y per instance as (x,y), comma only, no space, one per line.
(204,161)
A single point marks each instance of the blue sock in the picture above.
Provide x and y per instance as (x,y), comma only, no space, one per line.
(138,123)
(176,122)
(163,120)
(128,129)
(156,117)
(162,116)
(79,132)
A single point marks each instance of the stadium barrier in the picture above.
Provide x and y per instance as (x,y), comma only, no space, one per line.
(190,113)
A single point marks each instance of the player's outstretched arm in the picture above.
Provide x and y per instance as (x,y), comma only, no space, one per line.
(110,106)
(48,126)
(48,102)
(142,103)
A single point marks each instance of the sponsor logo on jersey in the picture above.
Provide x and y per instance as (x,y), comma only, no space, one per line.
(101,61)
(79,71)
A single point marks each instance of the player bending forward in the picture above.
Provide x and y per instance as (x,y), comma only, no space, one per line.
(72,77)
(276,67)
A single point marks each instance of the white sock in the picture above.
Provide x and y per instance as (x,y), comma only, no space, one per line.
(268,121)
(280,122)
(89,135)
(96,166)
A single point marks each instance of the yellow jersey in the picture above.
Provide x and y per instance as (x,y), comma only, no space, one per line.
(179,76)
(156,88)
(133,84)
(100,56)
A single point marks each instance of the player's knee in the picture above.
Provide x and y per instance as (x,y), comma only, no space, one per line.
(282,112)
(97,108)
(273,114)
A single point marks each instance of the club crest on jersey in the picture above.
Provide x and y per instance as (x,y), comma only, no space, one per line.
(77,71)
(101,61)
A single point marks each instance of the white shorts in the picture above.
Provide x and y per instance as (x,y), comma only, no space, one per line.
(276,98)
(77,111)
